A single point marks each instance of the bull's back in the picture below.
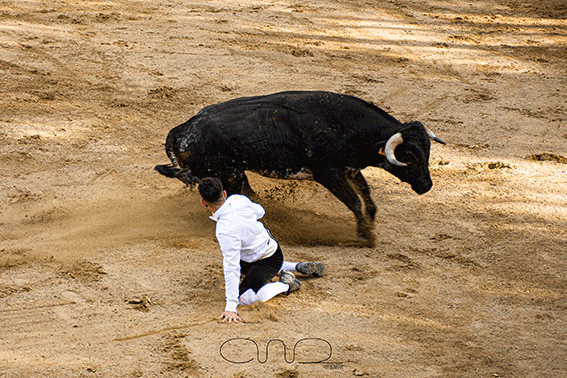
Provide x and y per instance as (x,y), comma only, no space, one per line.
(255,133)
(273,131)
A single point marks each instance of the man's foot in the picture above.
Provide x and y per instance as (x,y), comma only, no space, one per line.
(289,278)
(316,269)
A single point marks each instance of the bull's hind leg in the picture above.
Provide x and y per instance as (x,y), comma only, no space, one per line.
(357,181)
(246,188)
(335,181)
(233,181)
(182,174)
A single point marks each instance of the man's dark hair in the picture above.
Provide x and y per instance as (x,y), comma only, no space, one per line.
(211,189)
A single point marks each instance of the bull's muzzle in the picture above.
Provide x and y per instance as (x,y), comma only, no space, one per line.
(422,187)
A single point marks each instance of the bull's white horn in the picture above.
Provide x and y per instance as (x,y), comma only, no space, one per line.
(433,136)
(391,145)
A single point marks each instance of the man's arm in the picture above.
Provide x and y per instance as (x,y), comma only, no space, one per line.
(230,247)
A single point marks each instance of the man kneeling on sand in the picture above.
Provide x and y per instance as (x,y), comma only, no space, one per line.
(249,249)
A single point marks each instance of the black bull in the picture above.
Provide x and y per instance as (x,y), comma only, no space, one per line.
(326,137)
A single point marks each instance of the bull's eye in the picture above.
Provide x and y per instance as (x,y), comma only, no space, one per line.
(409,157)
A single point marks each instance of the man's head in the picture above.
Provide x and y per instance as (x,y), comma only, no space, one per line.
(212,192)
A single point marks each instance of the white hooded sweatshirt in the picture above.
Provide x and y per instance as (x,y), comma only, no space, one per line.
(241,236)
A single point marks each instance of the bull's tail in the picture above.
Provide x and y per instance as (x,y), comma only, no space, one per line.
(169,148)
(173,170)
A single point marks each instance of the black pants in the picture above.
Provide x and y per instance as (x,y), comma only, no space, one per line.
(259,273)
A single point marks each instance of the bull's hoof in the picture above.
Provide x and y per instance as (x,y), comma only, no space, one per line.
(359,243)
(365,236)
(369,242)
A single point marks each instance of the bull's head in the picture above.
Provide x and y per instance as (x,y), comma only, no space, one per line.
(407,151)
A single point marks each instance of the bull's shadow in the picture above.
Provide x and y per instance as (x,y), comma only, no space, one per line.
(308,228)
(294,221)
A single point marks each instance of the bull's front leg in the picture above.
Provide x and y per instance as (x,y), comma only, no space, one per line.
(335,181)
(357,181)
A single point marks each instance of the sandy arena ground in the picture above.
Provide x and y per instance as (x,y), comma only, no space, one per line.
(108,269)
